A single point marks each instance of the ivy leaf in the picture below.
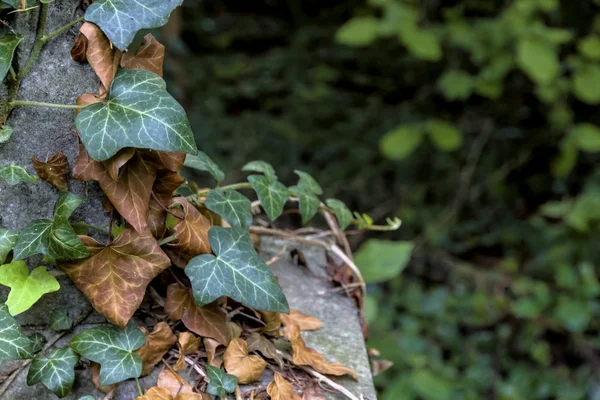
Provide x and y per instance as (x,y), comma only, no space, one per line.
(165,185)
(13,174)
(272,194)
(220,382)
(121,19)
(233,206)
(263,167)
(359,31)
(55,171)
(5,133)
(38,341)
(60,320)
(236,271)
(8,44)
(8,240)
(139,113)
(309,203)
(538,58)
(381,260)
(115,277)
(150,56)
(308,184)
(103,57)
(56,372)
(14,345)
(54,238)
(26,289)
(202,162)
(342,213)
(112,348)
(236,360)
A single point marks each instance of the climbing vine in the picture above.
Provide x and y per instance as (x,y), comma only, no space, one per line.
(134,140)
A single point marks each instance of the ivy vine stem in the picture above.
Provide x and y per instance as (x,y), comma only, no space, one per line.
(235,186)
(62,29)
(23,103)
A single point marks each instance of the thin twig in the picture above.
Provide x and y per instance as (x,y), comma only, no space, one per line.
(165,209)
(277,256)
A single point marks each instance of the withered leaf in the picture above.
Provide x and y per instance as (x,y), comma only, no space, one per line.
(304,321)
(313,392)
(208,321)
(150,56)
(304,355)
(192,233)
(156,346)
(87,99)
(113,165)
(272,322)
(237,361)
(280,389)
(165,185)
(55,171)
(188,343)
(102,56)
(257,342)
(173,382)
(210,345)
(164,160)
(79,49)
(157,393)
(115,277)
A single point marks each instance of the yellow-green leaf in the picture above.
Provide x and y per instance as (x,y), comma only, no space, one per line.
(26,289)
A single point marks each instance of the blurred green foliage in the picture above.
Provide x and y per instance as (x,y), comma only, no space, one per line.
(476,122)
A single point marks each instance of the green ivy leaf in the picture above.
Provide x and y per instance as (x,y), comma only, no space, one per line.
(235,271)
(308,184)
(262,167)
(422,43)
(56,372)
(456,84)
(112,348)
(121,19)
(589,46)
(586,84)
(586,136)
(37,342)
(272,194)
(14,345)
(202,162)
(401,142)
(5,133)
(380,260)
(138,112)
(60,320)
(308,202)
(359,31)
(26,289)
(444,136)
(54,238)
(233,206)
(8,44)
(342,213)
(8,240)
(220,382)
(538,59)
(13,174)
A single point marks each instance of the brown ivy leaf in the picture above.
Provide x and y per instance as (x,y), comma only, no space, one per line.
(307,356)
(257,342)
(87,99)
(188,343)
(238,362)
(208,321)
(313,392)
(156,393)
(210,345)
(192,234)
(150,56)
(305,322)
(79,49)
(280,389)
(55,171)
(96,379)
(131,193)
(101,54)
(156,346)
(114,164)
(165,185)
(272,322)
(172,161)
(173,382)
(115,277)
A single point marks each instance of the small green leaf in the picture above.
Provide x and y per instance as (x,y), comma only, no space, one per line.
(308,202)
(112,348)
(5,133)
(445,136)
(202,162)
(589,46)
(308,184)
(380,260)
(262,167)
(359,31)
(272,194)
(138,112)
(61,321)
(13,174)
(456,84)
(8,240)
(538,59)
(121,19)
(26,289)
(586,136)
(14,345)
(342,213)
(220,382)
(233,206)
(401,142)
(37,342)
(586,83)
(8,44)
(235,271)
(56,372)
(431,386)
(422,43)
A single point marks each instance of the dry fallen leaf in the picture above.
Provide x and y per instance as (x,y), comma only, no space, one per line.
(188,343)
(192,234)
(210,345)
(150,56)
(79,49)
(313,392)
(306,356)
(272,322)
(305,322)
(55,171)
(280,389)
(237,361)
(156,393)
(101,54)
(208,321)
(257,342)
(157,344)
(173,382)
